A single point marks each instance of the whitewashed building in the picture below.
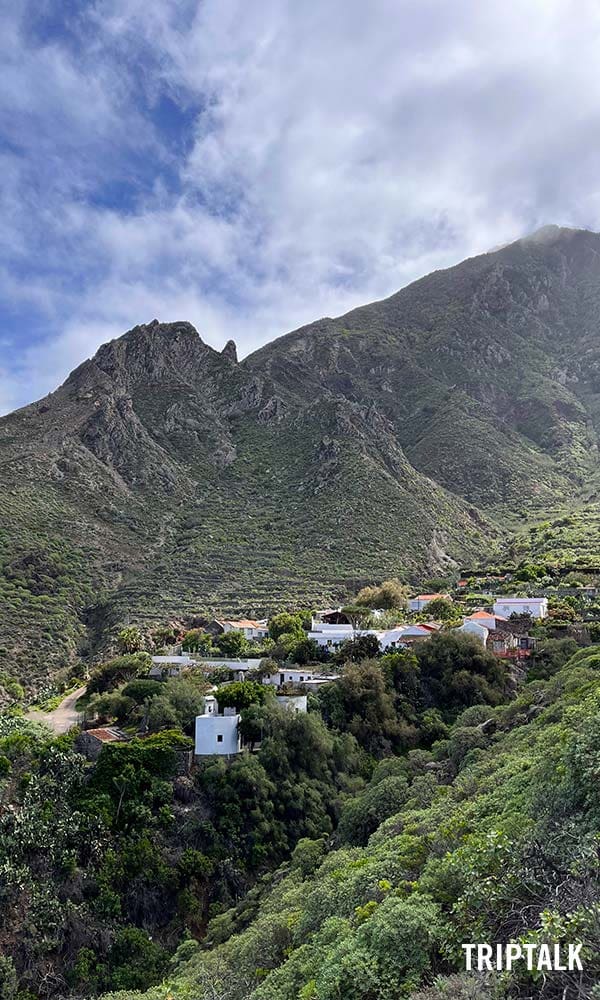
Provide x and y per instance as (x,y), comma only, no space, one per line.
(169,666)
(485,618)
(249,627)
(478,631)
(330,636)
(422,600)
(238,667)
(537,607)
(293,702)
(291,675)
(218,735)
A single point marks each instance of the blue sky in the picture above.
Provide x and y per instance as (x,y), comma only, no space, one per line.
(251,167)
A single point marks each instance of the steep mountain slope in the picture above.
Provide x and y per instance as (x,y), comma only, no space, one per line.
(488,372)
(165,478)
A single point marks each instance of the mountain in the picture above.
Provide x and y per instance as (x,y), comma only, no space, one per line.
(165,478)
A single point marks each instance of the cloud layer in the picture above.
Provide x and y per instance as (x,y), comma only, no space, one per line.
(251,167)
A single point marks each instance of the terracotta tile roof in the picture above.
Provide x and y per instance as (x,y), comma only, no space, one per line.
(105,735)
(428,597)
(245,623)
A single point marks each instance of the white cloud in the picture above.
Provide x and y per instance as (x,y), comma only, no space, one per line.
(337,152)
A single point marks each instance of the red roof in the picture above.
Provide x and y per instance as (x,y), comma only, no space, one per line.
(429,597)
(104,735)
(245,623)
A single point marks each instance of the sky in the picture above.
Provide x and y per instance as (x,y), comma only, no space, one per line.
(253,166)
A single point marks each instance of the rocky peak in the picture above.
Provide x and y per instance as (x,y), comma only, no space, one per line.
(230,351)
(146,354)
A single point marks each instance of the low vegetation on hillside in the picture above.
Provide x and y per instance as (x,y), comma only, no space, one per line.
(347,852)
(491,835)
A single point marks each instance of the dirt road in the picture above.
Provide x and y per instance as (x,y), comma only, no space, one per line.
(62,718)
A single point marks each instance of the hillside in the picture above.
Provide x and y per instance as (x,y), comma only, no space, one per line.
(493,837)
(164,478)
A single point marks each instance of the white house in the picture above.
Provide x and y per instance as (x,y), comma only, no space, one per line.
(475,629)
(238,667)
(537,607)
(249,628)
(218,734)
(293,703)
(422,600)
(404,635)
(291,675)
(330,636)
(169,666)
(485,618)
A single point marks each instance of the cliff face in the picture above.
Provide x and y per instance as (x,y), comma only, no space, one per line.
(165,478)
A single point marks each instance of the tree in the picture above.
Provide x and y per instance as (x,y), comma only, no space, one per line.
(389,595)
(162,714)
(457,671)
(8,979)
(309,651)
(141,689)
(287,623)
(404,674)
(197,641)
(130,640)
(287,645)
(135,961)
(241,694)
(116,672)
(357,615)
(265,668)
(361,702)
(110,705)
(440,608)
(362,647)
(186,699)
(362,815)
(164,635)
(232,644)
(550,657)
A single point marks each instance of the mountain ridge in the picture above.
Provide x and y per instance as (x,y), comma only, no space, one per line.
(165,478)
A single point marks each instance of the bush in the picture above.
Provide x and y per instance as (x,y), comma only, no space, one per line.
(361,816)
(118,671)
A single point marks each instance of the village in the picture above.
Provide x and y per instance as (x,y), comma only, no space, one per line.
(503,627)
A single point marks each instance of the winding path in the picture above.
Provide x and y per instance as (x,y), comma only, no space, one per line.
(62,718)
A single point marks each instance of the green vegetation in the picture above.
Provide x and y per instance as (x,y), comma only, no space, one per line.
(391,594)
(490,836)
(428,797)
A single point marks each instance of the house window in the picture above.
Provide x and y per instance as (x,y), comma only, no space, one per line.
(219,737)
(301,678)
